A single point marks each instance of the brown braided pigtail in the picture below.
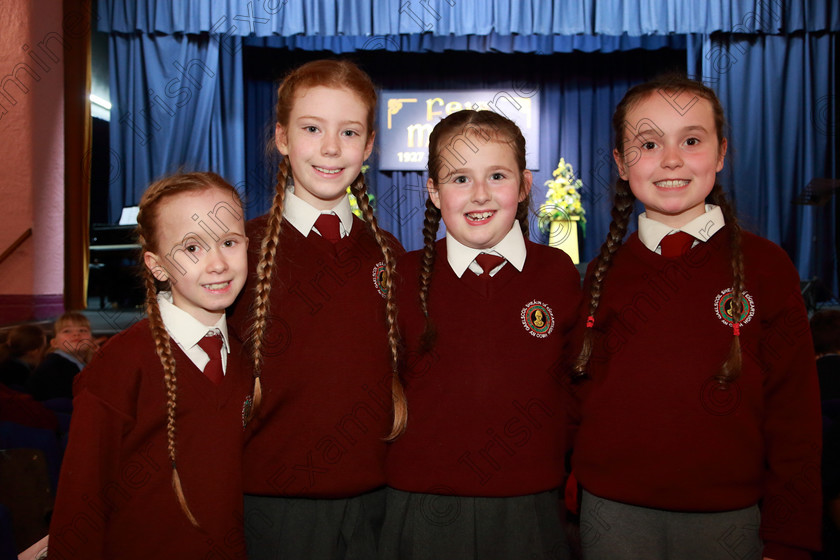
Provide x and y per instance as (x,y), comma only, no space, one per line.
(623,203)
(163,349)
(731,368)
(359,190)
(431,223)
(147,236)
(265,269)
(523,211)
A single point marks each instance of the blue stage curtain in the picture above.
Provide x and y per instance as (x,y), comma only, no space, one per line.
(462,17)
(493,42)
(780,141)
(780,97)
(177,103)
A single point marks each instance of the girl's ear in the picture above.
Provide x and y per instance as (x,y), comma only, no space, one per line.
(721,155)
(525,187)
(369,145)
(434,194)
(619,162)
(152,262)
(281,139)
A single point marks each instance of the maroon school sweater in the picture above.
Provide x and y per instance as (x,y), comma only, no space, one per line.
(326,377)
(657,431)
(115,496)
(487,406)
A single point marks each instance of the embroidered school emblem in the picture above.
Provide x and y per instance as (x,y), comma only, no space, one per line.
(537,318)
(378,275)
(246,410)
(723,308)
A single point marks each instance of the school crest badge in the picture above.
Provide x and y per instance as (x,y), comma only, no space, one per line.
(537,318)
(378,275)
(723,308)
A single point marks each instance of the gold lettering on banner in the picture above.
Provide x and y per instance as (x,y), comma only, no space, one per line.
(440,105)
(418,135)
(394,106)
(431,103)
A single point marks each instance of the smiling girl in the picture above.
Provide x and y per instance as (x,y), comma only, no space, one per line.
(320,316)
(484,316)
(153,463)
(700,421)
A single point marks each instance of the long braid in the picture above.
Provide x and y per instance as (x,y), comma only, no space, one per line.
(147,234)
(265,271)
(623,202)
(731,368)
(523,211)
(163,349)
(359,190)
(431,223)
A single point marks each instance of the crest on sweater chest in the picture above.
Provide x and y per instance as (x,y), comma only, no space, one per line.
(723,308)
(378,275)
(537,318)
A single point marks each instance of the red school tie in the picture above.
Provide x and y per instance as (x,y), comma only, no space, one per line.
(327,226)
(676,244)
(212,345)
(488,262)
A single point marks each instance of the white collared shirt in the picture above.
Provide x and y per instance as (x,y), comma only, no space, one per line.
(303,215)
(512,248)
(186,331)
(702,228)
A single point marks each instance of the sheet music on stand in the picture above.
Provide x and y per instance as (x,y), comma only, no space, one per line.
(818,192)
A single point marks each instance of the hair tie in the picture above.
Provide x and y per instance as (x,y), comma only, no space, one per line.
(736,329)
(590,322)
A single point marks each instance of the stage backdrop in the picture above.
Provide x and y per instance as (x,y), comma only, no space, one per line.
(177,86)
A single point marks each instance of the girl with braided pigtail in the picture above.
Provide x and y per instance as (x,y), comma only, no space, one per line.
(321,324)
(153,464)
(487,434)
(698,403)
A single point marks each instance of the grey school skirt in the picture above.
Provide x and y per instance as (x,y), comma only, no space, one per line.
(614,531)
(279,528)
(435,527)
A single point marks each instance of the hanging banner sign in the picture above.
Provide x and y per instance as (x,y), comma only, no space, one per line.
(406,118)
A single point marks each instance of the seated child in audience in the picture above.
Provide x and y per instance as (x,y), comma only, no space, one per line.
(70,349)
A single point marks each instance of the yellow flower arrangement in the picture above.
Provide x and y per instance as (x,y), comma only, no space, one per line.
(562,199)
